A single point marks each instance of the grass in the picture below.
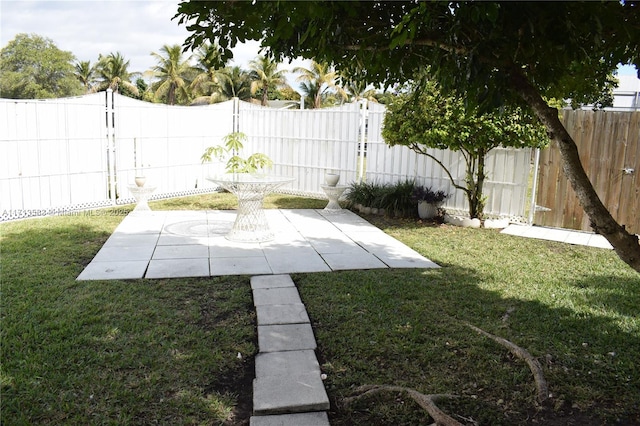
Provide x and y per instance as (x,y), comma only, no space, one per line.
(166,351)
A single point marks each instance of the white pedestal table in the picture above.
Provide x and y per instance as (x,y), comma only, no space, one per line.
(251,223)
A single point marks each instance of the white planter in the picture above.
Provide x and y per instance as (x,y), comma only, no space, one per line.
(427,210)
(331,179)
(140,180)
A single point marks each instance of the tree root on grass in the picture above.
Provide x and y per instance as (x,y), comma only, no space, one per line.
(427,402)
(523,354)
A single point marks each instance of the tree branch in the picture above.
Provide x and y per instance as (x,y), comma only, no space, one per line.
(416,148)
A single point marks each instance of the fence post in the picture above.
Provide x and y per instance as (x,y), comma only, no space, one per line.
(236,115)
(534,189)
(111,148)
(363,137)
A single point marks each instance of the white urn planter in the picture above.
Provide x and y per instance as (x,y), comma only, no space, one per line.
(331,179)
(427,210)
(140,181)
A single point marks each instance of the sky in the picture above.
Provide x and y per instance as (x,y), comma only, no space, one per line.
(135,28)
(87,28)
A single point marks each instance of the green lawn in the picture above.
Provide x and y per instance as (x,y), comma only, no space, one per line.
(167,351)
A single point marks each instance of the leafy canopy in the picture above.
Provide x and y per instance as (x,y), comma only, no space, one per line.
(423,117)
(32,67)
(566,49)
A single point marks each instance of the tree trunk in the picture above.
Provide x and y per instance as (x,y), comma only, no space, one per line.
(624,244)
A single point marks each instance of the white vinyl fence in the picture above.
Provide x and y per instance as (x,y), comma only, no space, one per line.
(63,155)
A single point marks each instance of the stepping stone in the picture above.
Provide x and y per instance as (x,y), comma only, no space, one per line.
(285,337)
(289,394)
(300,419)
(276,296)
(286,363)
(282,314)
(271,281)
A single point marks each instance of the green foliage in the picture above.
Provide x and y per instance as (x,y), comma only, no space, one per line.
(429,195)
(113,73)
(566,49)
(265,77)
(319,85)
(396,199)
(233,144)
(174,74)
(32,67)
(423,117)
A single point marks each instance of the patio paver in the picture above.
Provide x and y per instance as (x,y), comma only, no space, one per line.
(192,244)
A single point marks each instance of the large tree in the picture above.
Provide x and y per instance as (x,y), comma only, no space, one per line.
(85,73)
(205,84)
(113,73)
(319,83)
(265,76)
(173,73)
(32,67)
(519,53)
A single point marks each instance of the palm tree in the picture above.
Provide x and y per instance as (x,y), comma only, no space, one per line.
(234,83)
(86,74)
(174,74)
(318,82)
(265,75)
(358,90)
(113,74)
(206,83)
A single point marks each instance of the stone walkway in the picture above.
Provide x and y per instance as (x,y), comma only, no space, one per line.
(175,244)
(568,236)
(288,388)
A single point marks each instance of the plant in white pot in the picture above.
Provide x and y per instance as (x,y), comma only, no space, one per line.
(429,201)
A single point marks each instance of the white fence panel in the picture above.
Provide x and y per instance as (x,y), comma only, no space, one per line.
(52,155)
(304,143)
(164,143)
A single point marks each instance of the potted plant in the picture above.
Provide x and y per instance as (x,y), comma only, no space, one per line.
(429,201)
(233,144)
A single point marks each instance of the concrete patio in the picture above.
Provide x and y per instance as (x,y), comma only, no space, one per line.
(174,244)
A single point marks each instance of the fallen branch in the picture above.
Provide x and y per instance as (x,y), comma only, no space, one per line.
(534,365)
(427,402)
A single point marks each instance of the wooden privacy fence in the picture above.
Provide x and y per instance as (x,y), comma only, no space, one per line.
(63,155)
(609,146)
